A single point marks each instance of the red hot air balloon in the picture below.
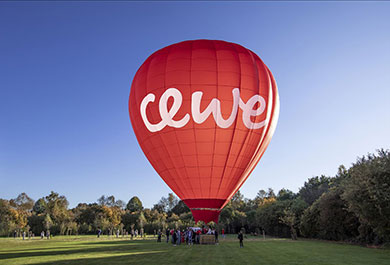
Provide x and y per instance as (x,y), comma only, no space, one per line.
(204,112)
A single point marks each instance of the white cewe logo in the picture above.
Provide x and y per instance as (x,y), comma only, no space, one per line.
(199,117)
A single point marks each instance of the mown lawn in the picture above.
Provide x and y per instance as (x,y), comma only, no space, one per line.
(91,250)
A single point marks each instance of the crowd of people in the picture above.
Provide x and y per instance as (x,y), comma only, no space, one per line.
(192,235)
(30,234)
(133,233)
(188,236)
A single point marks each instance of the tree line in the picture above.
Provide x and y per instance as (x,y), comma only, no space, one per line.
(353,205)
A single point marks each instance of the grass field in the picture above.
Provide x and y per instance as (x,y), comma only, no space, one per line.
(91,250)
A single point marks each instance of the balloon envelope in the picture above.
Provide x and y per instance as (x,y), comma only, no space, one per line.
(204,112)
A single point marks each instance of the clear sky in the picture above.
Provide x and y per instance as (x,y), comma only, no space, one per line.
(66,70)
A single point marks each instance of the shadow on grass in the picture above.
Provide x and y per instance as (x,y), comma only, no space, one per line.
(125,247)
(33,249)
(134,258)
(117,242)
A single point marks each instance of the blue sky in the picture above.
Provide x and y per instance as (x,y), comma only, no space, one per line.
(66,70)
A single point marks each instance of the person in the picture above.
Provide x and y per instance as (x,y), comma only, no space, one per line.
(24,234)
(174,238)
(216,235)
(42,234)
(223,233)
(159,235)
(136,232)
(15,234)
(99,232)
(167,234)
(172,232)
(178,234)
(117,233)
(48,234)
(241,238)
(189,236)
(198,233)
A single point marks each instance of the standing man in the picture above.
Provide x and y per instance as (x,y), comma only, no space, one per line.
(174,238)
(189,236)
(241,238)
(167,234)
(198,238)
(178,234)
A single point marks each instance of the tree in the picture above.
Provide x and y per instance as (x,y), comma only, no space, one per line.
(309,225)
(261,194)
(109,218)
(57,209)
(232,215)
(264,197)
(314,188)
(290,220)
(172,201)
(129,219)
(54,208)
(268,217)
(120,204)
(237,201)
(8,220)
(180,208)
(47,222)
(367,193)
(36,222)
(141,220)
(285,194)
(336,223)
(22,208)
(134,204)
(166,204)
(85,216)
(298,206)
(39,206)
(327,218)
(23,202)
(107,201)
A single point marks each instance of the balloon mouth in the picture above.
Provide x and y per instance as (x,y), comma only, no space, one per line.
(205,210)
(205,215)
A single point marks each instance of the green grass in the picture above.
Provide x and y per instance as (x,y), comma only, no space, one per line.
(91,250)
